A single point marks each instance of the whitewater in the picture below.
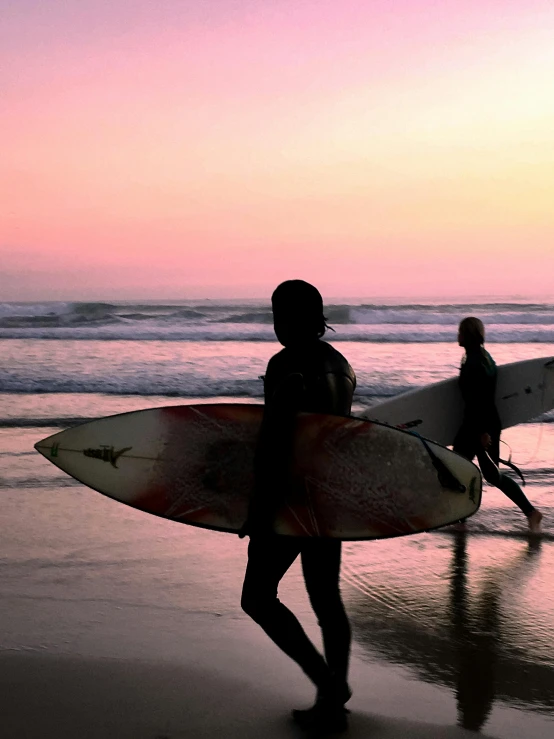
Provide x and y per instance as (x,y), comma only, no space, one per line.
(206,320)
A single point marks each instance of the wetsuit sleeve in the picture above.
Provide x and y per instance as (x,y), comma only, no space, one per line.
(274,450)
(336,391)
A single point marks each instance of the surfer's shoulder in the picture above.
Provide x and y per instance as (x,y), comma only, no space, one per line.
(333,362)
(473,360)
(477,365)
(281,365)
(487,360)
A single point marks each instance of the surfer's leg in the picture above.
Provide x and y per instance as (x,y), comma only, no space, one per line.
(269,557)
(512,490)
(508,486)
(321,567)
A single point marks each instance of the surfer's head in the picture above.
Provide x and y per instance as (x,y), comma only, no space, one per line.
(297,312)
(471,333)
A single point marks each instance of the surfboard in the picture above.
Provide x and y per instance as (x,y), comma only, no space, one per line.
(349,478)
(524,391)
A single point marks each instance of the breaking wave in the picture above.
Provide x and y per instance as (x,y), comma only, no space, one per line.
(252,321)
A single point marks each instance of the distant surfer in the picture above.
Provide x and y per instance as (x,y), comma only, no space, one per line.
(308,374)
(479,434)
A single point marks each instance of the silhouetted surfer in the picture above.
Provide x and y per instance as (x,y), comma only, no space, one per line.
(479,434)
(307,375)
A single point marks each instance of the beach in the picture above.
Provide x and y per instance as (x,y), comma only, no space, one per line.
(119,624)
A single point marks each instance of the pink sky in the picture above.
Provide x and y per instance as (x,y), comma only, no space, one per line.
(184,149)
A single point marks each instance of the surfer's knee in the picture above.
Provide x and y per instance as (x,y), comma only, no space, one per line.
(248,602)
(255,605)
(327,606)
(490,471)
(492,475)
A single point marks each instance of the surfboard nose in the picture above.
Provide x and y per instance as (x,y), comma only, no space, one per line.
(50,445)
(44,445)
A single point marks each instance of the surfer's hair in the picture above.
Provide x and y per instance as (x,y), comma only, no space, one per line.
(472,331)
(300,304)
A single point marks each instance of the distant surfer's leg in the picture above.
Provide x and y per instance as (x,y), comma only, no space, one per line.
(507,485)
(269,557)
(512,490)
(465,445)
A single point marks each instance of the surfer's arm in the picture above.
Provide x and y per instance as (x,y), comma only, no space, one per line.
(274,452)
(336,391)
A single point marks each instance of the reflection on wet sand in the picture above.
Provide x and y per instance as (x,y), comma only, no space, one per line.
(476,647)
(456,624)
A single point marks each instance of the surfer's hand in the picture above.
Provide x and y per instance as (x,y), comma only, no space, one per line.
(244,529)
(260,524)
(486,441)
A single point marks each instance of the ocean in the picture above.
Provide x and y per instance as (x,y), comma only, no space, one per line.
(445,612)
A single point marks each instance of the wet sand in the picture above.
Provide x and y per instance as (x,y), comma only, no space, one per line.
(107,667)
(118,624)
(218,691)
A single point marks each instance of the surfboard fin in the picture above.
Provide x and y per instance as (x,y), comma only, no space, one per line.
(446,478)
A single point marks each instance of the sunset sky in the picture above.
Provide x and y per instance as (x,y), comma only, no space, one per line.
(188,148)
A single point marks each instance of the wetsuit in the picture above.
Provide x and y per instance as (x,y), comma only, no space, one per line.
(316,378)
(477,381)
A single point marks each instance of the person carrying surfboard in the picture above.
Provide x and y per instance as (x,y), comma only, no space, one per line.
(479,434)
(308,374)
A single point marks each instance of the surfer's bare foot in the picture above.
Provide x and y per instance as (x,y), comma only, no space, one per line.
(328,715)
(534,519)
(322,719)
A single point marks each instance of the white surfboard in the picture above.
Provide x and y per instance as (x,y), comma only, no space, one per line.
(349,479)
(524,391)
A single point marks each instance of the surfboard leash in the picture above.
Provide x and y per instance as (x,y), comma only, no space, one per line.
(513,467)
(508,463)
